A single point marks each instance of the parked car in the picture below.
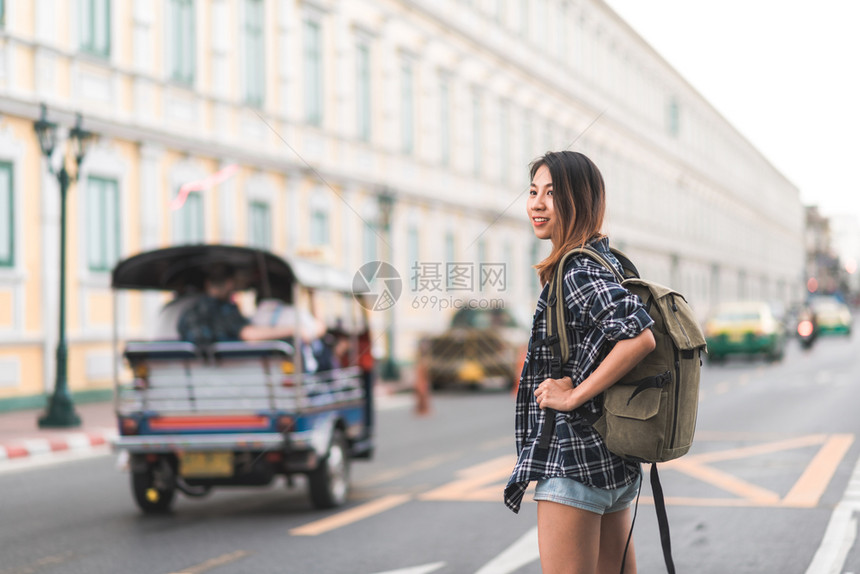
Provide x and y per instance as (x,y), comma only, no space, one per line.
(482,347)
(832,316)
(745,327)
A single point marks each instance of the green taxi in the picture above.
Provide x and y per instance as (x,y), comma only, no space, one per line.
(832,316)
(745,328)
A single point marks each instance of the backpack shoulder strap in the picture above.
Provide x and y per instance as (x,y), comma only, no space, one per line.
(557,331)
(630,269)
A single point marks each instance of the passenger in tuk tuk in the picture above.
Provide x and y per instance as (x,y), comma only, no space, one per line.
(274,313)
(214,317)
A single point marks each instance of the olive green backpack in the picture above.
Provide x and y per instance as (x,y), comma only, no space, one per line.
(649,415)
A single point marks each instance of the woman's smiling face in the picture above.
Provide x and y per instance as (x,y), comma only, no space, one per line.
(539,205)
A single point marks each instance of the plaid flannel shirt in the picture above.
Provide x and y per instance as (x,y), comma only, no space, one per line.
(599,312)
(210,320)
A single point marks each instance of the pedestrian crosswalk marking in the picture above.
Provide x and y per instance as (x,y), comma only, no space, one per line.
(805,493)
(483,482)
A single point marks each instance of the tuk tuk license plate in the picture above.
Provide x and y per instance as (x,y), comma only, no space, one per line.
(205,464)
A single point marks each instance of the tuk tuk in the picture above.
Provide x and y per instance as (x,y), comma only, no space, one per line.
(236,413)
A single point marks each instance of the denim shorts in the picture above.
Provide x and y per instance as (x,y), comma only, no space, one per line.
(574,493)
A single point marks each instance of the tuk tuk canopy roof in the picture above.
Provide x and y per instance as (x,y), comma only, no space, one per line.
(182,268)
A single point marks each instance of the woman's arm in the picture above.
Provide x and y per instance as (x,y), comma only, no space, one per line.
(560,394)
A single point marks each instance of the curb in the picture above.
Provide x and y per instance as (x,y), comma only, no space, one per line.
(40,446)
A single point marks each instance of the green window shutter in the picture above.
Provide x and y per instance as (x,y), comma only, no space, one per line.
(477,135)
(188,221)
(407,108)
(255,79)
(319,226)
(182,36)
(195,218)
(260,223)
(413,246)
(95,27)
(370,240)
(7,216)
(444,122)
(313,73)
(363,111)
(103,227)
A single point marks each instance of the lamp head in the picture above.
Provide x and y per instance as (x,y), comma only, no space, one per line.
(46,132)
(81,139)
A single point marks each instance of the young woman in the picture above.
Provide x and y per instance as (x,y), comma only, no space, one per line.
(583,491)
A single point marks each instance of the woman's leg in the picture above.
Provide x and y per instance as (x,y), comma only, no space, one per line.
(568,539)
(614,529)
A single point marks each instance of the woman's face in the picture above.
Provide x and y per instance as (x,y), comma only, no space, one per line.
(539,206)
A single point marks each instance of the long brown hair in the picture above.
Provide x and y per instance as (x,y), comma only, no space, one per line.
(579,202)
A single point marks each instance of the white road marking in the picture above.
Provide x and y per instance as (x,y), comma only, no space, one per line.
(841,531)
(522,552)
(425,569)
(52,458)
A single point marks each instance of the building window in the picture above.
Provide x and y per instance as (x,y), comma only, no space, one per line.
(313,73)
(103,225)
(407,108)
(7,216)
(450,256)
(189,220)
(673,117)
(255,59)
(2,14)
(535,258)
(95,26)
(504,130)
(259,225)
(477,134)
(444,121)
(362,91)
(319,225)
(524,19)
(370,240)
(526,140)
(182,41)
(412,247)
(541,17)
(563,29)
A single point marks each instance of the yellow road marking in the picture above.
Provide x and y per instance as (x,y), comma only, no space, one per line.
(40,563)
(751,493)
(477,483)
(352,515)
(811,485)
(755,450)
(805,493)
(214,563)
(691,501)
(419,465)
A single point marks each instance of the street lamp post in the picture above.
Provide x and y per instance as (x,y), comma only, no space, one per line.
(389,370)
(60,409)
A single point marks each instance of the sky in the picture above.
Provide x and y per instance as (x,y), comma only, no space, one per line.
(784,73)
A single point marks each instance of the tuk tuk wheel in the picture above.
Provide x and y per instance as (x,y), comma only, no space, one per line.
(150,497)
(329,482)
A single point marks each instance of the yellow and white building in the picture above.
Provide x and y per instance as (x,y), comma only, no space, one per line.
(330,106)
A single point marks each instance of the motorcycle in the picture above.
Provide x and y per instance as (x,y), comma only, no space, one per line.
(806,331)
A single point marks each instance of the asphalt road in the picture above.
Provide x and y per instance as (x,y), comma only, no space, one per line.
(765,489)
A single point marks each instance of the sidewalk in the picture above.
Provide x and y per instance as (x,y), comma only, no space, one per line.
(20,435)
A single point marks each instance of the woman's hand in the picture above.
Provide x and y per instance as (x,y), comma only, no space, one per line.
(556,394)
